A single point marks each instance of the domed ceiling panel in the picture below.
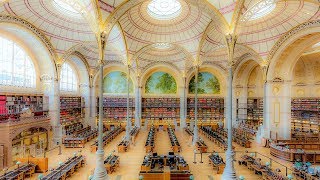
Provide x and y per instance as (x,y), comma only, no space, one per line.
(107,7)
(140,29)
(64,30)
(263,32)
(226,8)
(116,43)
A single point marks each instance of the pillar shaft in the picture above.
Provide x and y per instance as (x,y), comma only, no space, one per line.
(55,113)
(100,172)
(128,128)
(195,130)
(229,171)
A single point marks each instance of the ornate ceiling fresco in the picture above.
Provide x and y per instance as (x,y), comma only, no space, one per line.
(178,33)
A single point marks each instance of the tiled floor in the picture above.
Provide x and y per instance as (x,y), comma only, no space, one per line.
(130,161)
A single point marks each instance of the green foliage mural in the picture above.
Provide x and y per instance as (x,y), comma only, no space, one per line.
(207,84)
(116,83)
(161,83)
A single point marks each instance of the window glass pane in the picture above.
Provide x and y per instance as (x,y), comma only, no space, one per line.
(68,79)
(16,68)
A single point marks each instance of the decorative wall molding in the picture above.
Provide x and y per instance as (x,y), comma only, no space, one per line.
(288,35)
(32,28)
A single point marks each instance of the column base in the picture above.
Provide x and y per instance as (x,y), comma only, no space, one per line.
(229,172)
(100,172)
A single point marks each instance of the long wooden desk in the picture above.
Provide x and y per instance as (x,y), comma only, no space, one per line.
(111,163)
(107,138)
(26,170)
(123,146)
(158,167)
(149,145)
(66,169)
(201,146)
(217,163)
(303,151)
(175,145)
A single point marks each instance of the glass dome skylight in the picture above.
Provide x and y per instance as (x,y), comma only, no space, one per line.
(69,7)
(164,9)
(260,10)
(162,46)
(316,45)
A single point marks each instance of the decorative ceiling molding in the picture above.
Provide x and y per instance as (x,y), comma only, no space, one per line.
(33,29)
(289,34)
(160,63)
(127,5)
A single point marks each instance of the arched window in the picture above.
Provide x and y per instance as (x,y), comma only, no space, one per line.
(16,67)
(68,79)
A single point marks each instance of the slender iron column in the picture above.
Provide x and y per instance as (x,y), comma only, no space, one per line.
(100,172)
(195,129)
(229,172)
(128,104)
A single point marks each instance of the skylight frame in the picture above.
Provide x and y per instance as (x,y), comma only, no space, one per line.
(164,9)
(259,10)
(69,7)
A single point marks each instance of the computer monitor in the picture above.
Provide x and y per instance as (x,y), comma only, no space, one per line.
(171,153)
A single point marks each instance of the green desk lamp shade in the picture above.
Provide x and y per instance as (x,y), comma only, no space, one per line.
(40,176)
(267,163)
(74,154)
(290,176)
(241,177)
(251,154)
(18,162)
(191,177)
(308,164)
(90,177)
(60,163)
(216,154)
(140,177)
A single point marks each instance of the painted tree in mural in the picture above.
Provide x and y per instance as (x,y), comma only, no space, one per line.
(161,83)
(116,82)
(207,84)
(192,84)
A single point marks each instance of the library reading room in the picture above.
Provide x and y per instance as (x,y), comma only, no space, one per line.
(160,89)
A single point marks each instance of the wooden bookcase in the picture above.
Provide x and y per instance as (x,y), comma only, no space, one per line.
(71,109)
(115,109)
(160,108)
(12,105)
(208,108)
(305,116)
(254,114)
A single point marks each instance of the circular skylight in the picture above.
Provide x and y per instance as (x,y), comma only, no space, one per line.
(316,45)
(260,10)
(67,7)
(162,46)
(164,9)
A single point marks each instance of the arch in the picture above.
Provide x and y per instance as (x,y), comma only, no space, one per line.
(288,49)
(217,71)
(175,73)
(135,57)
(20,130)
(204,5)
(42,53)
(117,88)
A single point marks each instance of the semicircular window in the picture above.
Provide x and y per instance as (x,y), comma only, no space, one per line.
(161,83)
(207,84)
(116,83)
(17,68)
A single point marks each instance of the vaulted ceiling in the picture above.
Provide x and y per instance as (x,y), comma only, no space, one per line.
(197,34)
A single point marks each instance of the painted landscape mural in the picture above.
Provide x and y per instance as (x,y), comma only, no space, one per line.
(161,83)
(208,84)
(116,82)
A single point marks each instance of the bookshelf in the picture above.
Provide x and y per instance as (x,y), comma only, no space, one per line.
(13,105)
(71,109)
(160,108)
(115,109)
(208,108)
(254,114)
(305,116)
